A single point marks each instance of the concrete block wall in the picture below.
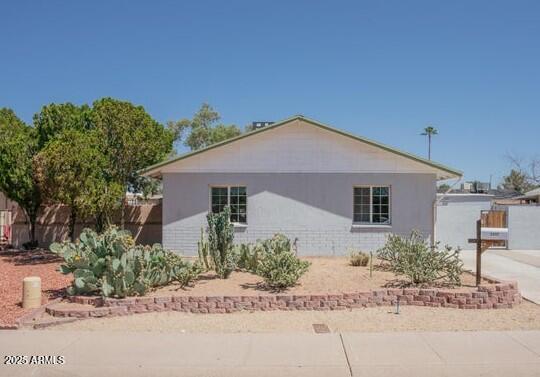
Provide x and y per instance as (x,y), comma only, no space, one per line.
(316,208)
(523,227)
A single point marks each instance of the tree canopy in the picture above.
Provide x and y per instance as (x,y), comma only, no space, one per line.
(517,181)
(203,129)
(70,170)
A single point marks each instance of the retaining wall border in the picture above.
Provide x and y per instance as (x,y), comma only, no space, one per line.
(493,296)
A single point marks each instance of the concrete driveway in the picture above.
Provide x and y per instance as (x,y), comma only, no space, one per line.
(128,354)
(522,266)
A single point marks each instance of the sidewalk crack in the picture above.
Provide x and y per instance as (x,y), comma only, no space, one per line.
(346,355)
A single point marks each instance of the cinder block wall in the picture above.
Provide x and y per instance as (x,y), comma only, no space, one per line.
(524,227)
(316,208)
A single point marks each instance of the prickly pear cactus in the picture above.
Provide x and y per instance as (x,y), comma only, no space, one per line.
(111,265)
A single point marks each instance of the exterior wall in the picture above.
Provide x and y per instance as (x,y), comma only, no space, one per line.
(316,208)
(456,220)
(524,227)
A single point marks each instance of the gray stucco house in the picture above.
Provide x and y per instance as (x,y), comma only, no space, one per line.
(331,190)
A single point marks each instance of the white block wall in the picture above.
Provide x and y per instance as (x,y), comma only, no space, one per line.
(316,208)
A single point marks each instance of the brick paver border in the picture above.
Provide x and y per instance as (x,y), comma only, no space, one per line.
(492,296)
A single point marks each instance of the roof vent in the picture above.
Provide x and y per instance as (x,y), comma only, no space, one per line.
(257,125)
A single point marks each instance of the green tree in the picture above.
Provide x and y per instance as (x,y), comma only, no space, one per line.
(130,140)
(54,118)
(443,188)
(70,170)
(429,132)
(203,129)
(517,181)
(18,146)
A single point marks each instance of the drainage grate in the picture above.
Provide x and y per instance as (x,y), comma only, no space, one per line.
(321,328)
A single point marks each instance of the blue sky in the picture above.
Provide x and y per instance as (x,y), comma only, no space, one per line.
(381,69)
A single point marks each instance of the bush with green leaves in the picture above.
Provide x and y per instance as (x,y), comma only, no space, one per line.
(220,242)
(420,262)
(277,263)
(359,258)
(249,255)
(111,265)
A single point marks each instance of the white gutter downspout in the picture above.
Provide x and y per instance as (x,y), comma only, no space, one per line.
(435,204)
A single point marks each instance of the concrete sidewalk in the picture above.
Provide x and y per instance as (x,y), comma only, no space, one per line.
(521,266)
(349,354)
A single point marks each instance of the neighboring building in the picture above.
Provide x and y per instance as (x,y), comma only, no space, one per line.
(331,190)
(6,219)
(530,197)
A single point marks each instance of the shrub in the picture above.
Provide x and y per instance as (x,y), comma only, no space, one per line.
(220,242)
(358,258)
(248,256)
(414,258)
(278,265)
(109,264)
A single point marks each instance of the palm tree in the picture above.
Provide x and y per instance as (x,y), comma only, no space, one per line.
(429,132)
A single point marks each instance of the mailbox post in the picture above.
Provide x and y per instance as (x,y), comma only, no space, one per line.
(478,252)
(486,237)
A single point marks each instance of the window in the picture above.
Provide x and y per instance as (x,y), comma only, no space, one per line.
(371,205)
(233,196)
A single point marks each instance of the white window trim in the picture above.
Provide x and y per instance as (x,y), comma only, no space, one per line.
(371,224)
(228,187)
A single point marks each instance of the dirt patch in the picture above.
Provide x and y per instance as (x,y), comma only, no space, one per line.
(325,275)
(525,316)
(16,265)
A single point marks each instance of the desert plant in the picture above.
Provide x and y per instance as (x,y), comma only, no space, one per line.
(359,258)
(220,242)
(278,265)
(420,262)
(249,255)
(109,264)
(203,250)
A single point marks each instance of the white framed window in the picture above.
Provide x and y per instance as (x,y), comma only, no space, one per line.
(371,205)
(233,196)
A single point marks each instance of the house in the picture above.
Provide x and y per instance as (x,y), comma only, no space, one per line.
(330,190)
(531,197)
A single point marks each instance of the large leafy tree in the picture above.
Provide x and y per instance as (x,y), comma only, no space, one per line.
(70,170)
(54,118)
(203,129)
(129,139)
(18,146)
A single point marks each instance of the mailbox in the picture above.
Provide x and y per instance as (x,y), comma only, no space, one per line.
(494,234)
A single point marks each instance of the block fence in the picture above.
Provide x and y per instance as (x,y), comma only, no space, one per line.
(495,296)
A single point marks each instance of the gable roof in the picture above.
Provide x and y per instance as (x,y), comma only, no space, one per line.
(447,172)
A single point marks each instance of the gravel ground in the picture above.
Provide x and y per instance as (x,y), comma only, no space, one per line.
(325,275)
(523,317)
(16,265)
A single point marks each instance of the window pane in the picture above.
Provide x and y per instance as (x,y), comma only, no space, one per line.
(219,199)
(361,204)
(371,204)
(238,202)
